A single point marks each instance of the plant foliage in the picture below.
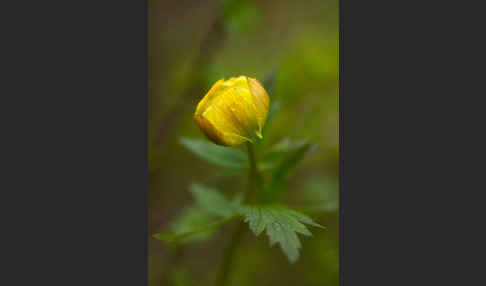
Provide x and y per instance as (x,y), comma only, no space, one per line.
(196,223)
(211,209)
(281,225)
(217,155)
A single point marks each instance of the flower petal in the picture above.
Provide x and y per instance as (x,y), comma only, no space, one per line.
(261,101)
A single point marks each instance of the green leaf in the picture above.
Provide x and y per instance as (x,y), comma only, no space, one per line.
(197,221)
(269,85)
(213,202)
(283,158)
(269,81)
(281,225)
(188,222)
(217,155)
(229,173)
(276,154)
(274,108)
(195,231)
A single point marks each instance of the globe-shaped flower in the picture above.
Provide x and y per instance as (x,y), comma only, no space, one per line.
(233,111)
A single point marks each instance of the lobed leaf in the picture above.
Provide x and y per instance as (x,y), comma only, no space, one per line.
(281,225)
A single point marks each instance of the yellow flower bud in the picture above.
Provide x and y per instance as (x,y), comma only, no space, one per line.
(233,110)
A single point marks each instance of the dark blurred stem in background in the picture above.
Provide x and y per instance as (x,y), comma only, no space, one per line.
(228,254)
(210,44)
(254,183)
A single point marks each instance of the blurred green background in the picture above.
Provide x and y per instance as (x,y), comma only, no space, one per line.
(192,44)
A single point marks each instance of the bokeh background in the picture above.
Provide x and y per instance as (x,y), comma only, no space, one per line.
(192,44)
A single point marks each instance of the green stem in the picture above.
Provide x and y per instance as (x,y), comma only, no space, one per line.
(228,254)
(254,178)
(254,181)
